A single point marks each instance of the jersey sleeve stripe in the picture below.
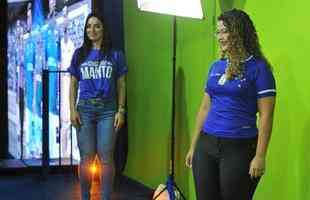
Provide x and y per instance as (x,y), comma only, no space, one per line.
(266,91)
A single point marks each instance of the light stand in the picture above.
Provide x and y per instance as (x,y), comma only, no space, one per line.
(171,184)
(192,9)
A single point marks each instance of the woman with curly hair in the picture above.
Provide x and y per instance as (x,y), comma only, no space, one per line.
(228,149)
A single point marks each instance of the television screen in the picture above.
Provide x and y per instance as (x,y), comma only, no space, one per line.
(42,37)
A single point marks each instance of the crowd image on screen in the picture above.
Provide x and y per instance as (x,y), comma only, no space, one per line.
(37,40)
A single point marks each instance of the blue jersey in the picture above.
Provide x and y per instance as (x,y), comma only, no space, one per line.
(51,47)
(233,106)
(29,56)
(98,73)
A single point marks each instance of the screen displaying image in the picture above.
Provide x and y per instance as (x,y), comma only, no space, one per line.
(42,37)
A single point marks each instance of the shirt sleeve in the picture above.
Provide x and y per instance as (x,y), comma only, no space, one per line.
(120,62)
(265,82)
(73,68)
(211,70)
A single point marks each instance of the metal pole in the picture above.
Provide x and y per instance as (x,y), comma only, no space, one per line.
(45,125)
(59,75)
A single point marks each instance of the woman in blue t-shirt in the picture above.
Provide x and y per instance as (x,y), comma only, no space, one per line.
(98,76)
(228,149)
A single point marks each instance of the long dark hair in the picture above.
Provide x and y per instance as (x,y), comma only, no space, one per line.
(243,37)
(87,43)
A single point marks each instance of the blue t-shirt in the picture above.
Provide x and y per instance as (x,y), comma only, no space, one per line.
(234,102)
(98,74)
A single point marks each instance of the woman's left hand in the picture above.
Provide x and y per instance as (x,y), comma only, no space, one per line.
(119,121)
(257,166)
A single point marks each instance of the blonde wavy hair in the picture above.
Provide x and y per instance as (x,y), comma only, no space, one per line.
(243,39)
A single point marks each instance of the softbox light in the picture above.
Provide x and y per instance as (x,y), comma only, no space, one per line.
(184,8)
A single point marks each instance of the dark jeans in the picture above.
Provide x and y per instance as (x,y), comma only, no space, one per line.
(221,168)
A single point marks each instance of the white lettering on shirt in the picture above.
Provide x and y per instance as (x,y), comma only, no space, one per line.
(96,70)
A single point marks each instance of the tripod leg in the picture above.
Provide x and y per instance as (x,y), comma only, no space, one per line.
(182,195)
(165,188)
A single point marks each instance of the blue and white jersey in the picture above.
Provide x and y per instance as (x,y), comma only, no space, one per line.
(29,55)
(98,74)
(51,46)
(233,106)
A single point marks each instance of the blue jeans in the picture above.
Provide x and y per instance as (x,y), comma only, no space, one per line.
(96,136)
(221,168)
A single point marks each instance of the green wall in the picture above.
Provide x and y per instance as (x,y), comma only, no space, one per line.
(148,53)
(284,37)
(283,31)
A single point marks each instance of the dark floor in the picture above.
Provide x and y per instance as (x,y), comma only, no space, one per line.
(62,185)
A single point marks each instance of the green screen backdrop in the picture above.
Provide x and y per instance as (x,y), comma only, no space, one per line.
(283,32)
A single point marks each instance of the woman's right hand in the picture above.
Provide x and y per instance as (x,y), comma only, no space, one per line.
(189,158)
(75,119)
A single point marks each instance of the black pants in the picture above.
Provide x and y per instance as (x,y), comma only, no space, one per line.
(221,168)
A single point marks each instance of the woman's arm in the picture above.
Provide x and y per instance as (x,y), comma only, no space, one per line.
(74,115)
(121,94)
(265,110)
(200,118)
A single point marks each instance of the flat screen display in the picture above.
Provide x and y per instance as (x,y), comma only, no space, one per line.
(42,35)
